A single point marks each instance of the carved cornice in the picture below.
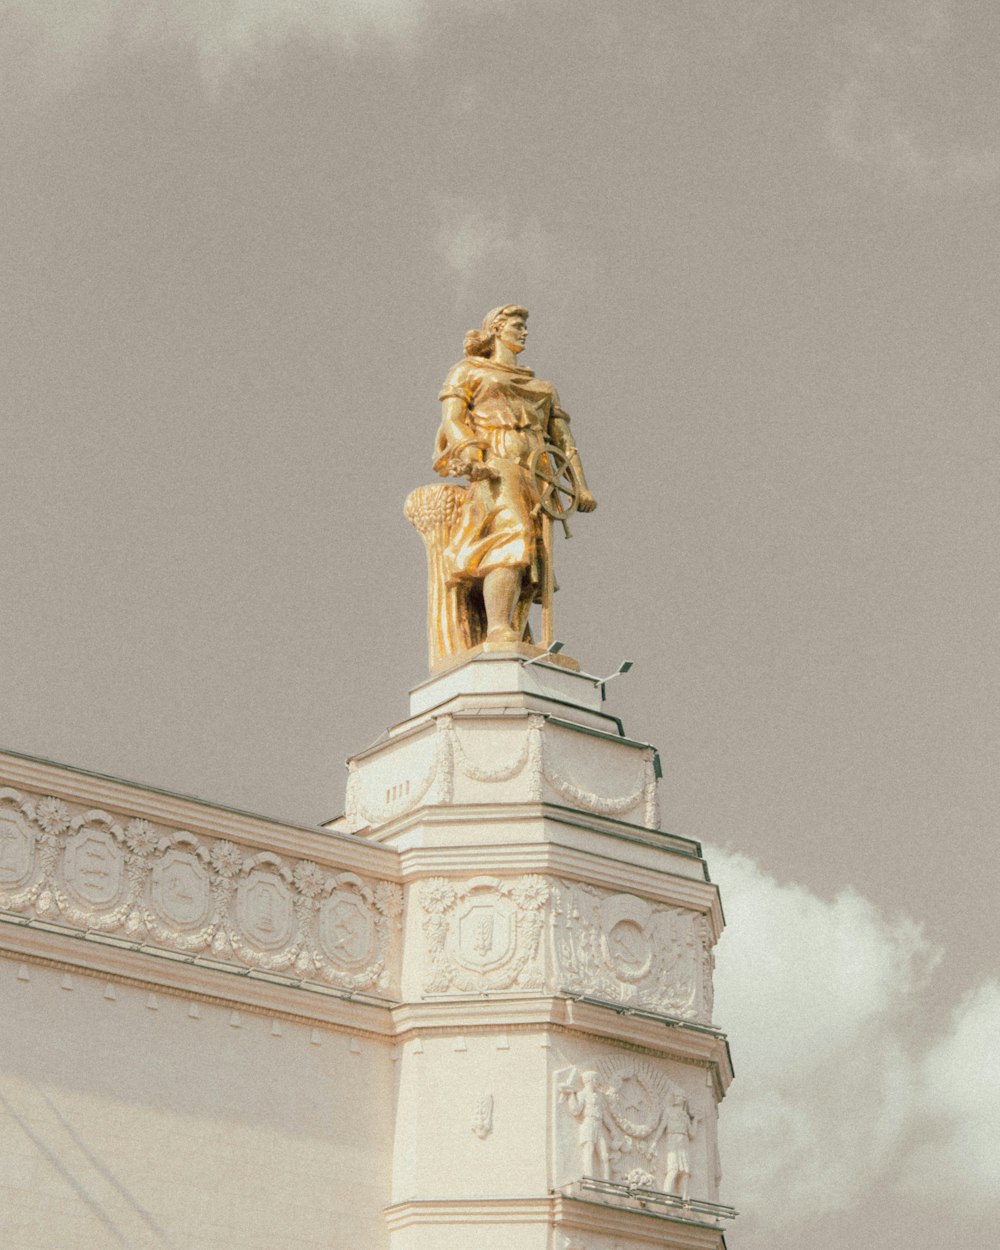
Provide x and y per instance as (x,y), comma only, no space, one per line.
(570,1216)
(647,1034)
(128,798)
(584,1218)
(513,850)
(165,974)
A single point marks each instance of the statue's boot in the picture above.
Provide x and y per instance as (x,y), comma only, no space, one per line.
(501,590)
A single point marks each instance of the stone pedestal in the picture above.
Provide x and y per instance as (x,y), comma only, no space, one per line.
(558,1071)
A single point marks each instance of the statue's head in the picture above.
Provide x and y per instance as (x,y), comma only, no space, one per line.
(480,342)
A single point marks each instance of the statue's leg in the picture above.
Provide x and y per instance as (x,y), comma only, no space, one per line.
(501,590)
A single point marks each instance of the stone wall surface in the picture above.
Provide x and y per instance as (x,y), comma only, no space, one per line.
(150,1119)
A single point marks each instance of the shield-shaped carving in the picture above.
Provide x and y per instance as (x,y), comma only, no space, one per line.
(486,931)
(179,890)
(264,910)
(17,850)
(346,929)
(92,867)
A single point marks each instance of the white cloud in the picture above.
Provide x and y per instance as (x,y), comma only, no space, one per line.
(893,113)
(845,1094)
(51,45)
(810,991)
(488,247)
(957,1142)
(472,235)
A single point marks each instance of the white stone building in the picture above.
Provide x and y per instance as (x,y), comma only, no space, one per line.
(474,1012)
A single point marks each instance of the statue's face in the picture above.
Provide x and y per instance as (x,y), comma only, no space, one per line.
(514,333)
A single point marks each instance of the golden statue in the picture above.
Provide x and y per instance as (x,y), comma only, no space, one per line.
(489,545)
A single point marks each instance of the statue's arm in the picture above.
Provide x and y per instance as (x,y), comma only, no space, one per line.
(457,452)
(559,433)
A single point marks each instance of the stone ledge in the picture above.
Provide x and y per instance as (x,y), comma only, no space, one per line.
(567,1215)
(560,858)
(666,1230)
(661,1036)
(96,955)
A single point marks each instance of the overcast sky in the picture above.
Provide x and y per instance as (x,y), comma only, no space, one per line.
(241,244)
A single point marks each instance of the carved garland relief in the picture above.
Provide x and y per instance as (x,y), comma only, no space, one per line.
(534,757)
(194,894)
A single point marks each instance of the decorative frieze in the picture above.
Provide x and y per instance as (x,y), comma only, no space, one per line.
(174,889)
(485,934)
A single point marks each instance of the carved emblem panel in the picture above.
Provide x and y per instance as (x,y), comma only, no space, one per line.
(264,911)
(347,929)
(483,934)
(623,1120)
(624,949)
(179,890)
(93,867)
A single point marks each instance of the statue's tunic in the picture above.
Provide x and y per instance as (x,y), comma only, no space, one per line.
(503,416)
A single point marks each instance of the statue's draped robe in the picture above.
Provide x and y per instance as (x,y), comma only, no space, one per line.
(504,415)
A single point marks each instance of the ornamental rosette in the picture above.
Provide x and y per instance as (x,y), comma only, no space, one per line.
(227,859)
(140,836)
(309,878)
(638,1179)
(530,893)
(52,815)
(437,895)
(388,899)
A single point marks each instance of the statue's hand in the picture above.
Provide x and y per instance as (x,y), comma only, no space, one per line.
(586,502)
(477,472)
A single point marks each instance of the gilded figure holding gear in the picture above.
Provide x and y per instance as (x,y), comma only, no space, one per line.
(504,430)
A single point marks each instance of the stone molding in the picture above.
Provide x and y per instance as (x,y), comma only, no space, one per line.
(540,838)
(100,873)
(164,973)
(632,1225)
(541,1014)
(594,1224)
